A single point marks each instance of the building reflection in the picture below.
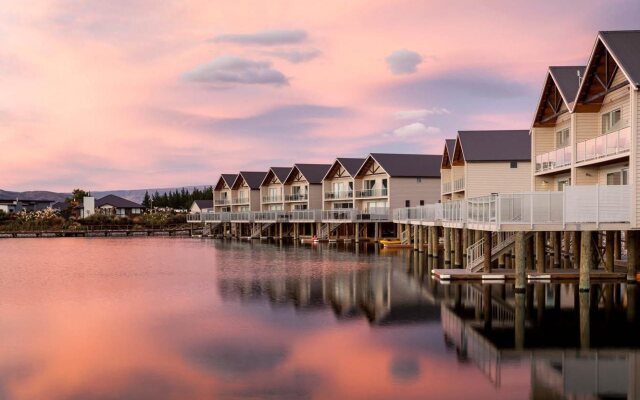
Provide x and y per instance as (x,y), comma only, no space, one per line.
(578,344)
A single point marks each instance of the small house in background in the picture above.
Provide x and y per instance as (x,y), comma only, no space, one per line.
(110,205)
(9,206)
(199,206)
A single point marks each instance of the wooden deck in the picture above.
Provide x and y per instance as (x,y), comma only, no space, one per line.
(509,274)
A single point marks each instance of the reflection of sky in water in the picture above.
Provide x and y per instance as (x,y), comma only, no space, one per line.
(176,319)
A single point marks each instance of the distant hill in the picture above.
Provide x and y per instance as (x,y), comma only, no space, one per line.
(136,195)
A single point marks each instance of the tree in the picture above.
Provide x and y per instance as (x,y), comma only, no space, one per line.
(146,202)
(77,196)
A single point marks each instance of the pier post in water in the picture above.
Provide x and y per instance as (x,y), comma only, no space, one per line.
(609,261)
(416,238)
(421,239)
(487,251)
(520,250)
(457,248)
(540,251)
(357,232)
(434,241)
(465,241)
(632,254)
(577,240)
(447,246)
(557,248)
(587,258)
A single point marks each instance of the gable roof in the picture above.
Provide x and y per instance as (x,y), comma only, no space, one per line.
(495,145)
(407,165)
(449,147)
(252,178)
(313,173)
(625,48)
(351,165)
(566,80)
(279,172)
(116,201)
(560,88)
(229,179)
(202,204)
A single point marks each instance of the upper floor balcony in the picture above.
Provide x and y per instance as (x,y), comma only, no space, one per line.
(296,197)
(372,193)
(610,144)
(272,199)
(241,200)
(555,159)
(339,195)
(458,185)
(446,187)
(222,201)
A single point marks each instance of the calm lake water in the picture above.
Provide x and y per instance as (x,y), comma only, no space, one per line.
(156,318)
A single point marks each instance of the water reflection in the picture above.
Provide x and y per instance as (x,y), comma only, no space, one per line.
(166,318)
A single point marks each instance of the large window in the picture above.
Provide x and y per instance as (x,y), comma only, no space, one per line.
(562,138)
(611,121)
(618,177)
(369,184)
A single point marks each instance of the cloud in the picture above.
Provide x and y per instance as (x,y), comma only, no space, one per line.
(415,129)
(227,70)
(264,38)
(293,55)
(403,61)
(420,114)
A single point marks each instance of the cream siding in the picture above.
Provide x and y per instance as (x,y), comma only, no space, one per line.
(484,178)
(403,189)
(635,156)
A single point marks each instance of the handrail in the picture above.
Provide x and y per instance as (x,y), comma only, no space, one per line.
(551,160)
(344,194)
(611,143)
(372,192)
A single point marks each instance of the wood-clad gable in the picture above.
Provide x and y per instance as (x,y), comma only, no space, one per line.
(551,104)
(371,168)
(602,76)
(458,154)
(446,160)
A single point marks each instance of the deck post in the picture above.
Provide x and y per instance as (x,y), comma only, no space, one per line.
(415,237)
(632,254)
(465,241)
(557,248)
(434,241)
(608,251)
(585,323)
(447,246)
(586,259)
(617,245)
(357,232)
(540,252)
(420,239)
(520,249)
(566,245)
(280,231)
(501,260)
(429,232)
(577,240)
(457,248)
(376,231)
(487,251)
(452,243)
(529,256)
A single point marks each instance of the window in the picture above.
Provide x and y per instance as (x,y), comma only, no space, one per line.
(611,121)
(421,202)
(562,138)
(300,207)
(514,164)
(369,184)
(562,182)
(407,203)
(384,183)
(614,178)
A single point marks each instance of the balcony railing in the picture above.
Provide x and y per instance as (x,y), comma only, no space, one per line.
(373,214)
(458,185)
(241,200)
(554,159)
(271,216)
(304,215)
(345,194)
(272,199)
(222,201)
(194,217)
(454,211)
(446,187)
(244,216)
(339,215)
(428,213)
(372,193)
(296,197)
(215,217)
(604,145)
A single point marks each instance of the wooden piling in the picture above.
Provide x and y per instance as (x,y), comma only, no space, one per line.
(487,251)
(557,248)
(520,249)
(457,248)
(435,239)
(540,241)
(447,246)
(586,259)
(421,239)
(608,251)
(416,238)
(632,254)
(577,240)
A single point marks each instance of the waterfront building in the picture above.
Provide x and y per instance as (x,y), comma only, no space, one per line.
(200,206)
(272,189)
(478,163)
(303,187)
(246,191)
(339,182)
(222,192)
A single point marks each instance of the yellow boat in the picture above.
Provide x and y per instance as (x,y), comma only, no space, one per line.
(393,243)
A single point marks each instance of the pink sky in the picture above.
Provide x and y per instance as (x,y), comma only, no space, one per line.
(140,93)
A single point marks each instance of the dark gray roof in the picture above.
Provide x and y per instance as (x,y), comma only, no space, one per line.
(451,146)
(313,173)
(116,201)
(352,165)
(229,178)
(566,79)
(204,203)
(253,179)
(507,145)
(281,172)
(625,47)
(60,205)
(409,165)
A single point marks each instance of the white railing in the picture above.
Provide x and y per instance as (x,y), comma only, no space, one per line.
(244,216)
(372,193)
(221,202)
(554,159)
(339,215)
(272,199)
(373,214)
(296,197)
(271,216)
(596,204)
(446,187)
(215,217)
(241,200)
(454,211)
(428,213)
(304,215)
(604,145)
(458,185)
(345,194)
(475,252)
(194,218)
